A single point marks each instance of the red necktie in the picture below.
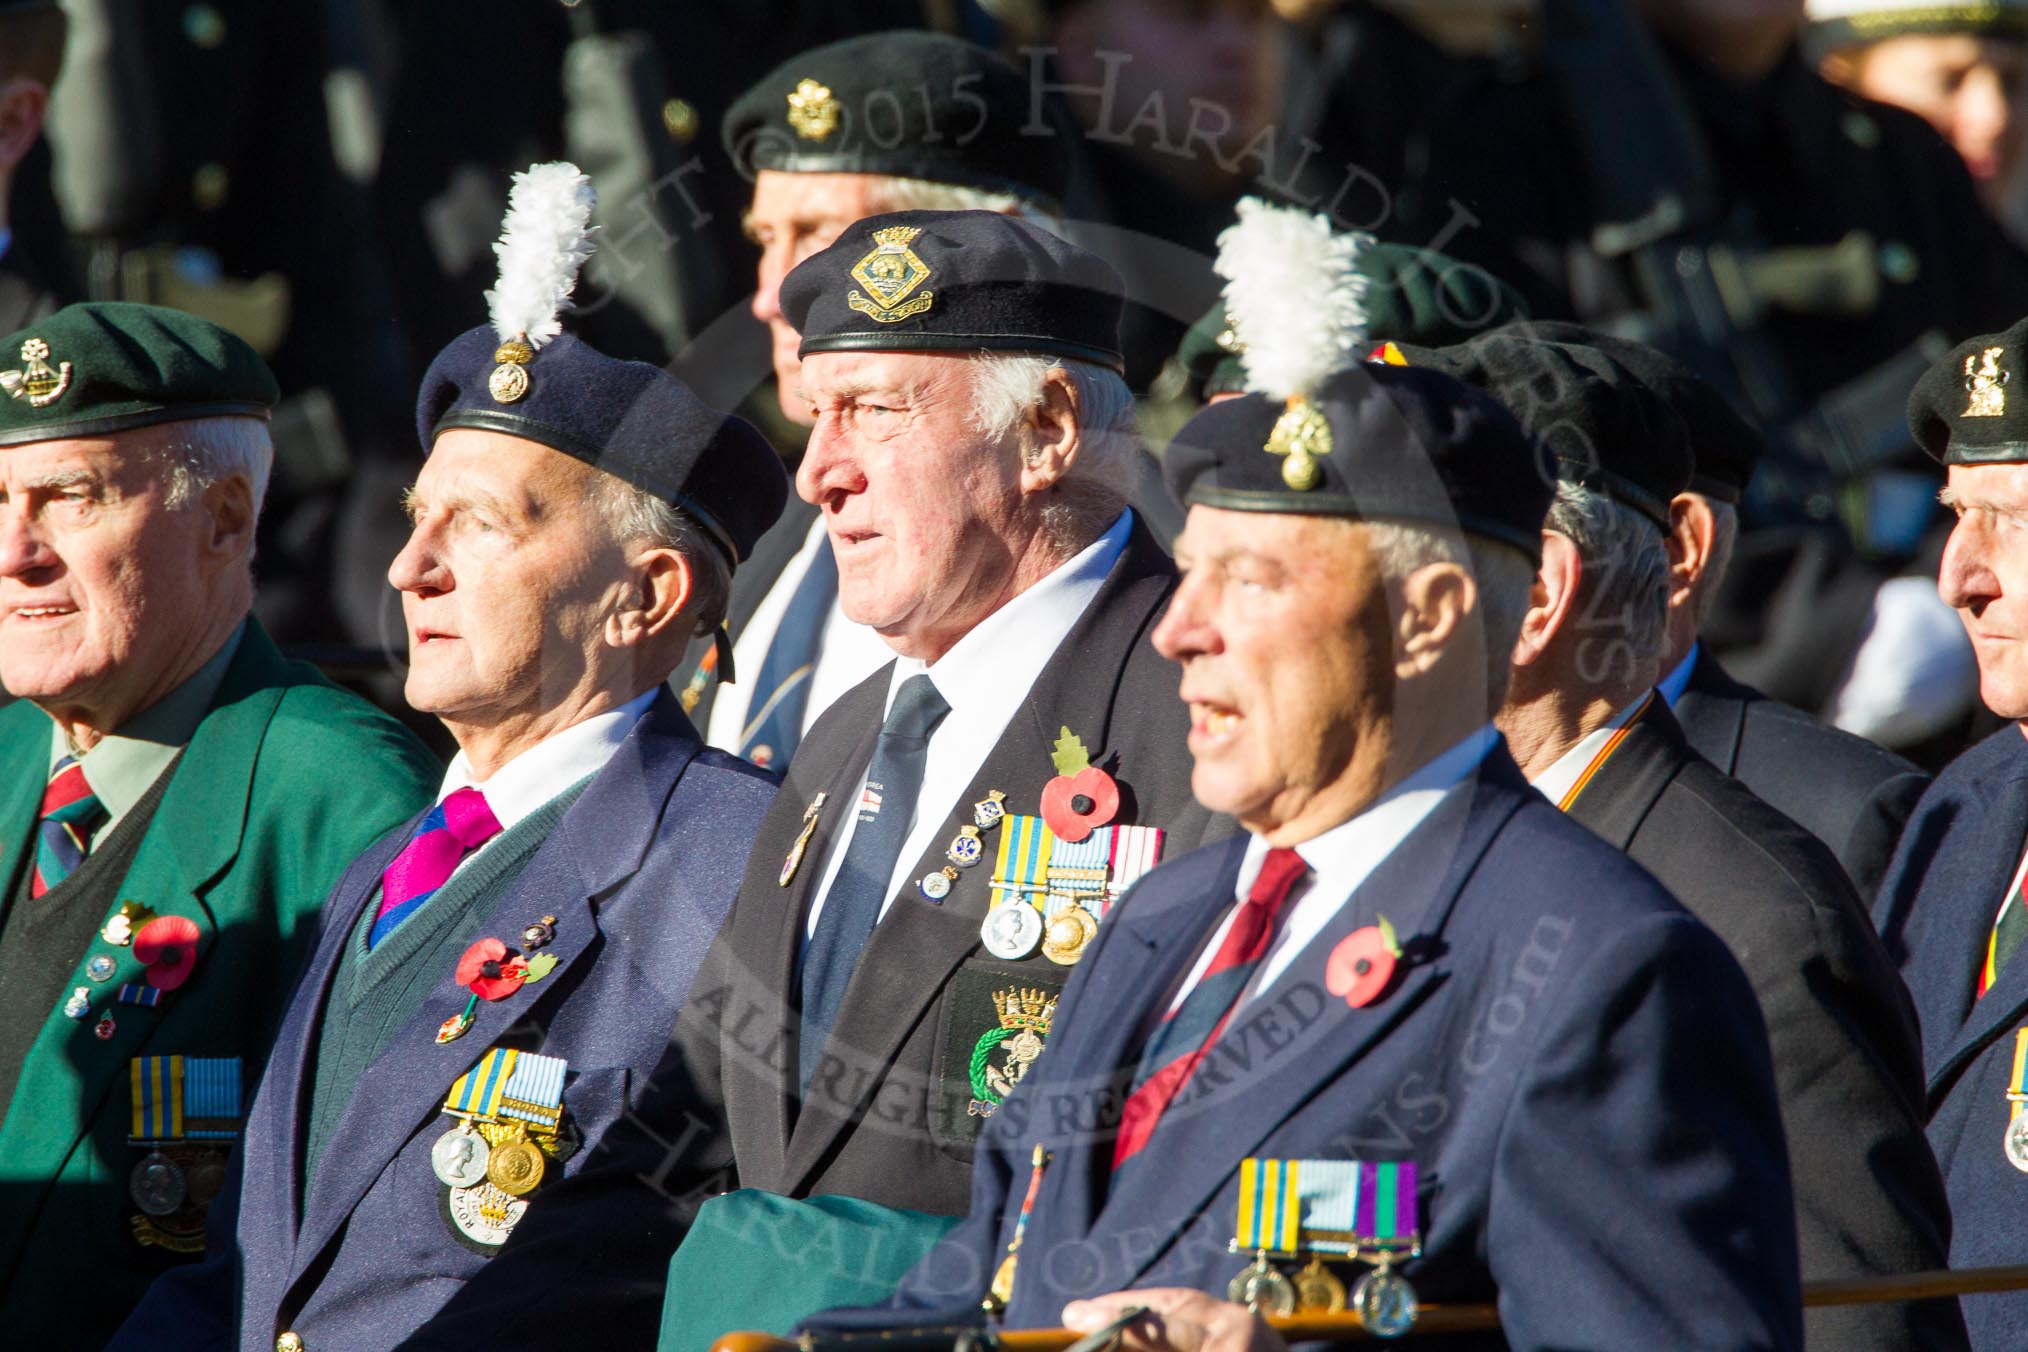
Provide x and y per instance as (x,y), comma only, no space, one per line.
(1183,1037)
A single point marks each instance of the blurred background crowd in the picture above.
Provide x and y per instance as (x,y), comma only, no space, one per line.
(1808,205)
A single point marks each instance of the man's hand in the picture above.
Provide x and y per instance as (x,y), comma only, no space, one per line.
(1177,1320)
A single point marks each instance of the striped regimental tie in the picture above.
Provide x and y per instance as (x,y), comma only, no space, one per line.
(2010,928)
(1181,1040)
(70,813)
(452,830)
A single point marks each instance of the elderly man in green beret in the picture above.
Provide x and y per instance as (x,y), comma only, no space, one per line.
(175,800)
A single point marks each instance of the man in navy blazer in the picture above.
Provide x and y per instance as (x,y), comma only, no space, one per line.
(493,982)
(1950,907)
(1428,965)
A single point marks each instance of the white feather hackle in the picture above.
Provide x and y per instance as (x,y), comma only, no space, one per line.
(543,242)
(1294,296)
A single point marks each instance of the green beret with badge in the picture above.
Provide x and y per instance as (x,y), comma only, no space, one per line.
(95,369)
(903,104)
(1406,294)
(1969,408)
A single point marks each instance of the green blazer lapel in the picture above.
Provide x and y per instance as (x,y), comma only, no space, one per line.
(24,769)
(73,1071)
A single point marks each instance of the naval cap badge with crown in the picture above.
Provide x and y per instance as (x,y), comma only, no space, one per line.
(543,242)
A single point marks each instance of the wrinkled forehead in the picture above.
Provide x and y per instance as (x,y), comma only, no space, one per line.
(912,375)
(809,201)
(467,463)
(125,458)
(1996,486)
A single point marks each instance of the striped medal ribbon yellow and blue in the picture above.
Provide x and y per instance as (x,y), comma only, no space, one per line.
(1020,873)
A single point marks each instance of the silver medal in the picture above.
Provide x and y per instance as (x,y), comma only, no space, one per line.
(157,1185)
(2016,1142)
(485,1214)
(1012,930)
(1386,1303)
(459,1157)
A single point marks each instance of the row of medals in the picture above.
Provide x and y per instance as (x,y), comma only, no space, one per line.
(1013,929)
(1383,1299)
(490,1168)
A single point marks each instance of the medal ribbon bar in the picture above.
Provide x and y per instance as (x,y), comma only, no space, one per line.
(1026,847)
(477,1093)
(157,1083)
(534,1092)
(1346,1207)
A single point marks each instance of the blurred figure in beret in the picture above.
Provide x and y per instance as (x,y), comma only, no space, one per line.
(492,976)
(175,800)
(1961,67)
(1591,733)
(1414,1013)
(884,122)
(954,829)
(1951,908)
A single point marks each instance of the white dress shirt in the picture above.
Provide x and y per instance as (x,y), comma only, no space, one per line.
(549,767)
(985,677)
(1561,777)
(847,654)
(1340,860)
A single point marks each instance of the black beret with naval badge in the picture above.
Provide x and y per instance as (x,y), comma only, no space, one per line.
(954,281)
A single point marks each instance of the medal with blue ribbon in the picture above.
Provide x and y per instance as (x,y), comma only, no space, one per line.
(1012,929)
(509,1108)
(185,1113)
(1364,1210)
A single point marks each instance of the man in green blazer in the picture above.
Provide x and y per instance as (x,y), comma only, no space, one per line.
(176,800)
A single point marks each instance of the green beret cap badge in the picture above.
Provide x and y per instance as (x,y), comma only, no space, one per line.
(40,383)
(813,112)
(891,272)
(1985,385)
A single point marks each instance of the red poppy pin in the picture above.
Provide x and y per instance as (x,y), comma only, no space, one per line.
(167,947)
(492,971)
(1082,797)
(1363,963)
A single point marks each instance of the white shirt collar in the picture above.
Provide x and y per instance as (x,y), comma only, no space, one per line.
(1558,780)
(549,767)
(997,662)
(1672,686)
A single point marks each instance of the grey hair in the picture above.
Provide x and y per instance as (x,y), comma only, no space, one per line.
(1724,536)
(637,516)
(1007,386)
(1623,598)
(1504,576)
(206,451)
(892,192)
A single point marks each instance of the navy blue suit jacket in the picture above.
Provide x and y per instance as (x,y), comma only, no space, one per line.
(639,873)
(1577,1066)
(1937,905)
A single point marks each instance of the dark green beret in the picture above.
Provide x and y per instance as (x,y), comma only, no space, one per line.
(1609,430)
(90,370)
(1967,410)
(955,281)
(910,104)
(1415,296)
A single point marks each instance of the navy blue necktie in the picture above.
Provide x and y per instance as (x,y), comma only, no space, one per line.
(774,722)
(852,906)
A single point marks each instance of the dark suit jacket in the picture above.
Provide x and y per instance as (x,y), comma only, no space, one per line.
(1869,1200)
(888,1119)
(639,874)
(1847,792)
(1936,908)
(1575,1065)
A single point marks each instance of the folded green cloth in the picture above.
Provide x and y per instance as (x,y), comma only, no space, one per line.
(755,1260)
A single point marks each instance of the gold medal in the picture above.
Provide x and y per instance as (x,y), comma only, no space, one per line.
(515,1167)
(1065,936)
(1262,1289)
(1318,1289)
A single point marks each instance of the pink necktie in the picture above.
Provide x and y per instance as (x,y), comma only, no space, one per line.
(453,829)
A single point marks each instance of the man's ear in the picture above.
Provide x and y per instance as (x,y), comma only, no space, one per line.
(1055,434)
(662,582)
(1436,602)
(22,105)
(230,516)
(1552,601)
(1692,528)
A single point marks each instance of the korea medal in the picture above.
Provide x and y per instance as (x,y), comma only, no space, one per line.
(459,1157)
(1012,930)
